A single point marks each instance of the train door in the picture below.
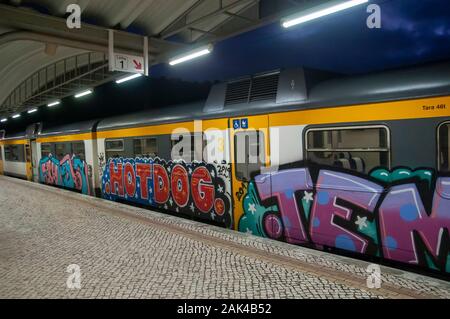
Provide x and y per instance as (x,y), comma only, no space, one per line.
(34,161)
(249,140)
(28,160)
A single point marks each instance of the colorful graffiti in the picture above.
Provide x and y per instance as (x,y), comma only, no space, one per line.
(401,215)
(71,172)
(196,189)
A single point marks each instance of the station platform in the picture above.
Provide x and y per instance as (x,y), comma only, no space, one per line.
(128,252)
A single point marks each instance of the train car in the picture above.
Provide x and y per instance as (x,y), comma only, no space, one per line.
(67,157)
(141,163)
(15,158)
(358,164)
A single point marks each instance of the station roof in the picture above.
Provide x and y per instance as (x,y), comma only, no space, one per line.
(42,60)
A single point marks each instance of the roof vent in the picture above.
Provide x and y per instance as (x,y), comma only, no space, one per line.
(265,87)
(237,92)
(258,88)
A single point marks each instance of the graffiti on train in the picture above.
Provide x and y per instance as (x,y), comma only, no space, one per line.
(195,189)
(401,215)
(70,172)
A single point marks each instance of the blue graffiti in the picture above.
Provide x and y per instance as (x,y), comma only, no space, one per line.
(71,172)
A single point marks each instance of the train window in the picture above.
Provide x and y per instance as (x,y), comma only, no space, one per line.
(78,150)
(249,154)
(192,151)
(114,146)
(145,147)
(115,149)
(15,153)
(62,150)
(46,150)
(444,147)
(357,148)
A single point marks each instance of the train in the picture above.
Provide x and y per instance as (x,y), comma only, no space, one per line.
(353,164)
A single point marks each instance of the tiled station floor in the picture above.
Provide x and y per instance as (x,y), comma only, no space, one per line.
(126,252)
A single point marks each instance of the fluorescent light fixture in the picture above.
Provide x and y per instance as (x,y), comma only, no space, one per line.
(84,93)
(32,111)
(54,103)
(16,116)
(3,120)
(321,11)
(191,55)
(129,78)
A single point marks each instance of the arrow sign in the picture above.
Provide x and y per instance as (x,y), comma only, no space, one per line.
(137,65)
(128,63)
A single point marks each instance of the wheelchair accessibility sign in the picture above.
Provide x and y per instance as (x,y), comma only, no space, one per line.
(240,124)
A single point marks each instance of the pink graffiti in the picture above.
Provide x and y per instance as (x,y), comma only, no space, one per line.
(66,173)
(326,211)
(50,173)
(275,186)
(344,206)
(405,223)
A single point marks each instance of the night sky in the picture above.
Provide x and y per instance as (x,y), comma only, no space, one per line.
(412,32)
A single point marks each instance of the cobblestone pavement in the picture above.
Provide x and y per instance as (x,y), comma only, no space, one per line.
(127,252)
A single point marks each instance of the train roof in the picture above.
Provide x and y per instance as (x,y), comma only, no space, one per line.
(295,89)
(12,136)
(171,114)
(278,91)
(69,129)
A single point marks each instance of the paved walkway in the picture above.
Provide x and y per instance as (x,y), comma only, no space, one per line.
(127,252)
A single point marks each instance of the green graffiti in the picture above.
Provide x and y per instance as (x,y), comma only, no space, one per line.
(254,212)
(400,174)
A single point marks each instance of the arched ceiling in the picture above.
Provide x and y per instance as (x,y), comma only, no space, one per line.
(34,35)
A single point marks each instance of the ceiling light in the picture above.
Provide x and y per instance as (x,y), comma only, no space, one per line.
(320,11)
(129,78)
(84,93)
(16,116)
(3,120)
(32,111)
(54,103)
(191,55)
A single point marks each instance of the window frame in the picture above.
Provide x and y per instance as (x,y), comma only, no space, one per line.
(82,142)
(192,136)
(387,149)
(132,139)
(15,145)
(54,144)
(143,140)
(51,149)
(115,149)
